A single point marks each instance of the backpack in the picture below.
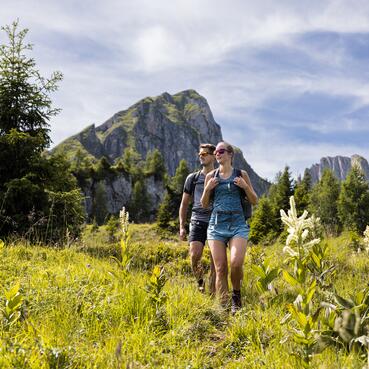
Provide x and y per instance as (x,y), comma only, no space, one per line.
(194,179)
(245,203)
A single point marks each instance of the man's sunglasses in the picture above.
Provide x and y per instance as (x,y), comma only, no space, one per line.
(220,151)
(203,154)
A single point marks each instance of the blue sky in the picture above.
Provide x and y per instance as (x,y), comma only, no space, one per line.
(288,81)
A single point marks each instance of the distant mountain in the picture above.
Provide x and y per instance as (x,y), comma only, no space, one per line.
(339,165)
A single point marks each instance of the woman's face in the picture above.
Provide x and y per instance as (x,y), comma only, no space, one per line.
(222,155)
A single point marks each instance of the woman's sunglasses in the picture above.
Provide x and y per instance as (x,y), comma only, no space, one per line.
(220,151)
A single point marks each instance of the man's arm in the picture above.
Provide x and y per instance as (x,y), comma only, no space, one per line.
(186,199)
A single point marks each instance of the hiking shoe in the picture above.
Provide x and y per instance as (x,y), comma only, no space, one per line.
(236,302)
(201,285)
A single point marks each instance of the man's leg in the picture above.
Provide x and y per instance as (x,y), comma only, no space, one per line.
(212,277)
(219,254)
(196,249)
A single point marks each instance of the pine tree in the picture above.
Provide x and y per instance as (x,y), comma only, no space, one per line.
(353,202)
(168,209)
(302,193)
(100,212)
(154,165)
(263,222)
(279,195)
(131,161)
(139,206)
(323,202)
(31,185)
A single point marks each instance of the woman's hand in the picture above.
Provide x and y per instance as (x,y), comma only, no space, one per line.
(240,182)
(212,183)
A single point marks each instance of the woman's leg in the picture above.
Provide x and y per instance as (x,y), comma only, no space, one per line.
(238,251)
(219,254)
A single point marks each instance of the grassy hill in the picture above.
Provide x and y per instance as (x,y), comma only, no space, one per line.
(77,308)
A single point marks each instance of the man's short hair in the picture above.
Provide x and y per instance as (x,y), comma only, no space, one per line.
(209,147)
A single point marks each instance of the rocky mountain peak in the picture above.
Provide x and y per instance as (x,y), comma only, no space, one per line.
(339,165)
(174,124)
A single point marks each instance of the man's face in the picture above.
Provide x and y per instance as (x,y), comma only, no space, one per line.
(205,157)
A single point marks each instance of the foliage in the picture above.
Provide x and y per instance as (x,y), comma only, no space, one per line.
(25,104)
(263,222)
(12,310)
(30,182)
(279,193)
(99,208)
(131,161)
(266,275)
(77,304)
(168,209)
(140,204)
(302,192)
(347,321)
(309,267)
(353,202)
(323,204)
(125,248)
(154,165)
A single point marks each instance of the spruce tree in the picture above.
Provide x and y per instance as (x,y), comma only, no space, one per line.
(353,202)
(32,192)
(323,202)
(139,206)
(168,209)
(154,165)
(263,221)
(279,195)
(302,193)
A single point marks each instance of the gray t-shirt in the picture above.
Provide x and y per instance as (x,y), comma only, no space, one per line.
(198,212)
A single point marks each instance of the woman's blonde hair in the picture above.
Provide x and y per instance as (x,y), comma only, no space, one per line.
(229,148)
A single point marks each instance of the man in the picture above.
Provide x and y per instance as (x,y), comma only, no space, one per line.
(193,189)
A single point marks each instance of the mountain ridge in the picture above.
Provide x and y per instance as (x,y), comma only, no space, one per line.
(340,166)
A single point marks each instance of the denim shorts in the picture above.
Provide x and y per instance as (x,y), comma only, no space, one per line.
(224,227)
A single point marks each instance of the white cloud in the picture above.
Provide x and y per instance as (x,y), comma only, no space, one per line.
(148,47)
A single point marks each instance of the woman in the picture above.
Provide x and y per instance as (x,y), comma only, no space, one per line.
(227,223)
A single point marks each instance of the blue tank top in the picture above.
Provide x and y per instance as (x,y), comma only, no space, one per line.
(227,195)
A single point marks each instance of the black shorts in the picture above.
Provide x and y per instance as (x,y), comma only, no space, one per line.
(198,231)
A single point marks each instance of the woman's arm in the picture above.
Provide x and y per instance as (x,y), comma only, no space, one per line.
(209,185)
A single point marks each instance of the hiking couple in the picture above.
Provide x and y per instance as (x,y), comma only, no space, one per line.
(222,199)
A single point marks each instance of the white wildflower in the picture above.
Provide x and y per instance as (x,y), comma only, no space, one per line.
(298,229)
(291,252)
(124,221)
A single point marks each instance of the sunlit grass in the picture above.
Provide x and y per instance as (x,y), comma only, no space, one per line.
(80,311)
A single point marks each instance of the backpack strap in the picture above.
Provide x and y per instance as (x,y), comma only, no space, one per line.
(194,180)
(246,206)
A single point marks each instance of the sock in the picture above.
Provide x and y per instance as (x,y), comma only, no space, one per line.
(236,293)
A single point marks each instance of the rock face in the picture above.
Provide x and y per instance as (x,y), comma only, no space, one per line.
(339,165)
(173,124)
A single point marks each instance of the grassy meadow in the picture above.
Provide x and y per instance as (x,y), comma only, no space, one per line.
(79,307)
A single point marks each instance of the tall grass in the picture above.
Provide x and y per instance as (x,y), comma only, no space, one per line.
(78,310)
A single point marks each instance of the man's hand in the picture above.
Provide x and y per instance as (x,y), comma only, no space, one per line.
(182,233)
